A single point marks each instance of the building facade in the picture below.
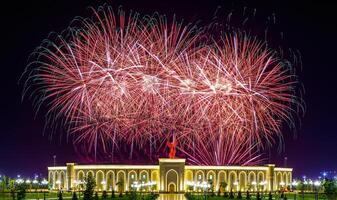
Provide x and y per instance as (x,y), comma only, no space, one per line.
(171,175)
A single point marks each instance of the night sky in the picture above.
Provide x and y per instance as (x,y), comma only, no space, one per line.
(309,27)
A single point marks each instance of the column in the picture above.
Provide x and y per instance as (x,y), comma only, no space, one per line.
(270,177)
(70,176)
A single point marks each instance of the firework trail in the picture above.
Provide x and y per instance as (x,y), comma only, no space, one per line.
(117,79)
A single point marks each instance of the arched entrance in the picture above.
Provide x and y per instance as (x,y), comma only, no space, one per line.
(172,180)
(172,187)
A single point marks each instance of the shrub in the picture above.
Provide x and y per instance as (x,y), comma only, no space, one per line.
(258,197)
(113,194)
(96,196)
(104,195)
(270,196)
(74,196)
(21,191)
(231,195)
(59,196)
(225,194)
(89,190)
(247,195)
(239,195)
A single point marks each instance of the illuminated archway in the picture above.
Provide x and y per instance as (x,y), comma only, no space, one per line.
(120,184)
(199,176)
(285,179)
(222,181)
(132,177)
(278,180)
(252,180)
(188,178)
(90,173)
(242,181)
(211,178)
(172,187)
(110,180)
(80,180)
(289,178)
(100,182)
(62,180)
(171,177)
(51,178)
(260,181)
(80,176)
(155,178)
(144,176)
(232,180)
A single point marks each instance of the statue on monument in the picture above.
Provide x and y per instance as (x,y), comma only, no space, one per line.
(172,146)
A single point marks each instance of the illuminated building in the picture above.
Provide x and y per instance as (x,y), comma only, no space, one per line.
(171,175)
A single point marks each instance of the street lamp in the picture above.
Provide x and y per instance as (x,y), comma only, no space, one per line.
(263,183)
(103,184)
(316,184)
(294,184)
(254,184)
(325,174)
(58,182)
(236,183)
(19,180)
(44,182)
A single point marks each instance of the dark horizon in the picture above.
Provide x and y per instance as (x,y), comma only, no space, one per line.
(308,27)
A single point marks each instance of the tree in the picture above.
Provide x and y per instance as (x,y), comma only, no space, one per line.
(113,194)
(59,195)
(231,194)
(120,186)
(190,188)
(282,195)
(258,197)
(21,191)
(300,186)
(225,194)
(96,196)
(210,182)
(239,195)
(223,186)
(270,196)
(330,188)
(247,195)
(133,195)
(104,195)
(89,189)
(74,196)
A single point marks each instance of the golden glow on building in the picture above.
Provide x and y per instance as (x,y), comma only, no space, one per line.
(171,175)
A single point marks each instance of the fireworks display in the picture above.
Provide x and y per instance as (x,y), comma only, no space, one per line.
(137,81)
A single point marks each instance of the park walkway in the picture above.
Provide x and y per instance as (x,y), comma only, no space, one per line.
(171,197)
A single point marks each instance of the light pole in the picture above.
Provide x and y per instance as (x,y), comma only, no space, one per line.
(254,185)
(236,183)
(317,185)
(54,159)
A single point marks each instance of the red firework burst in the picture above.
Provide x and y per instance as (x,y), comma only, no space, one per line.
(117,78)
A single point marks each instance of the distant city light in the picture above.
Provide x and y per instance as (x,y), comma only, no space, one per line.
(317,183)
(294,183)
(19,180)
(44,182)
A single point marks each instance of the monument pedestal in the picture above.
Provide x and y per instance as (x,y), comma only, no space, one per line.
(171,174)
